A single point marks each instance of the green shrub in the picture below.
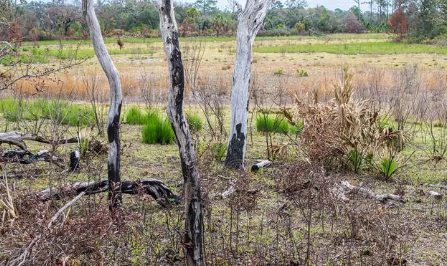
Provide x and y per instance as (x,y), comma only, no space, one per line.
(157,130)
(273,124)
(388,167)
(194,122)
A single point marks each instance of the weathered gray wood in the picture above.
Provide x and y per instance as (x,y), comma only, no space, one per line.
(345,188)
(115,103)
(18,139)
(249,23)
(66,206)
(75,159)
(153,187)
(260,164)
(193,199)
(19,156)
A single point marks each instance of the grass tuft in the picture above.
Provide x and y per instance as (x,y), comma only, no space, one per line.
(157,130)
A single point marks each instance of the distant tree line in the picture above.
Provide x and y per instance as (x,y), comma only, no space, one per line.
(414,20)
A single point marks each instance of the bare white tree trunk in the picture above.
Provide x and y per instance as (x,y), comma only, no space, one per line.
(193,198)
(113,120)
(249,22)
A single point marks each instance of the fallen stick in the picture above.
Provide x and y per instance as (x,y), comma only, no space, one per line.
(153,187)
(61,210)
(345,188)
(18,139)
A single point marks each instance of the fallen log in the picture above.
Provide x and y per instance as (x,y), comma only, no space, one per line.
(260,164)
(18,139)
(153,187)
(345,188)
(18,156)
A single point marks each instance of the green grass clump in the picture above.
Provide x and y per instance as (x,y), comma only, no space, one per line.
(272,124)
(157,130)
(135,117)
(194,122)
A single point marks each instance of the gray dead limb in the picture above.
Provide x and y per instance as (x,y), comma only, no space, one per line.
(66,206)
(26,157)
(344,188)
(260,164)
(153,187)
(18,139)
(23,255)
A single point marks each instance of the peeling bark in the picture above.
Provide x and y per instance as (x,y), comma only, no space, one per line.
(249,23)
(193,199)
(153,187)
(115,199)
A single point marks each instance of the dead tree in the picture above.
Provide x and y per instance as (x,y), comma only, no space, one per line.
(153,187)
(249,22)
(115,198)
(193,199)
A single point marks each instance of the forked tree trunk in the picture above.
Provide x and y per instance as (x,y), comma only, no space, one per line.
(193,198)
(249,23)
(113,120)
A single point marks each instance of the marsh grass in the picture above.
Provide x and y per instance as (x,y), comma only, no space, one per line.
(276,124)
(67,113)
(157,130)
(135,116)
(354,48)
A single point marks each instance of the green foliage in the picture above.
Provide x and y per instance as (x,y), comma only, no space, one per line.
(355,158)
(388,166)
(276,124)
(302,73)
(219,151)
(157,130)
(134,116)
(354,48)
(279,72)
(62,111)
(194,122)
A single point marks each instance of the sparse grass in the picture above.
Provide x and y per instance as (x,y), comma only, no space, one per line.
(354,48)
(370,36)
(70,53)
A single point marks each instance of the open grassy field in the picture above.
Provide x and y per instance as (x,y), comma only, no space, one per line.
(286,214)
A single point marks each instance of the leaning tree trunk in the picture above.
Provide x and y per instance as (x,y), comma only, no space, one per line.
(193,199)
(111,72)
(249,22)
